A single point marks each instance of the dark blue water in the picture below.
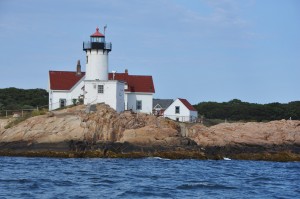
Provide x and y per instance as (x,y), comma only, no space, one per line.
(146,178)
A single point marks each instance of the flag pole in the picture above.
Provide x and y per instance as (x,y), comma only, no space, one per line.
(104,29)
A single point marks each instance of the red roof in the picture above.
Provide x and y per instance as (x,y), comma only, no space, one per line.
(136,83)
(187,104)
(63,80)
(97,33)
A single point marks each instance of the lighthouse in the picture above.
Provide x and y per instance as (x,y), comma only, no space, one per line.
(97,86)
(97,50)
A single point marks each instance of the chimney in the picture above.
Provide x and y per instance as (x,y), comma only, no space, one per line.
(78,69)
(126,71)
(114,74)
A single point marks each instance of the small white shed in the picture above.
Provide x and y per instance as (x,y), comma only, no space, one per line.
(181,110)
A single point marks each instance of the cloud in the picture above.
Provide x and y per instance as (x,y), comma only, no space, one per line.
(220,21)
(224,13)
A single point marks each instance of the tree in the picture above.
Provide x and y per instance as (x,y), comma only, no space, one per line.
(14,98)
(237,110)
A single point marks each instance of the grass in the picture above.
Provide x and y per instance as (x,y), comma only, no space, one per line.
(212,122)
(4,117)
(25,117)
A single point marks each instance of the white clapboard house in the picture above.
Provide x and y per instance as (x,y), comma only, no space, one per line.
(181,110)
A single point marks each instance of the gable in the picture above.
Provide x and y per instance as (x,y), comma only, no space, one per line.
(157,106)
(185,107)
(187,104)
(64,80)
(163,103)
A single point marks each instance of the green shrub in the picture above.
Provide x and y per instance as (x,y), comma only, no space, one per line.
(17,121)
(38,112)
(74,101)
(35,113)
(80,100)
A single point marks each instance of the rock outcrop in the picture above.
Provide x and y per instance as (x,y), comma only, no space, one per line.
(44,129)
(104,124)
(153,135)
(110,134)
(283,132)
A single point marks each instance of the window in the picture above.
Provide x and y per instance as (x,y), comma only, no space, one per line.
(100,89)
(62,103)
(87,59)
(177,109)
(138,105)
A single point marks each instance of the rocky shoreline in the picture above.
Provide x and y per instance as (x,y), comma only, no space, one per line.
(81,149)
(74,133)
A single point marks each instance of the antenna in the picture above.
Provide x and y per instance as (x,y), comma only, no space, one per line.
(104,29)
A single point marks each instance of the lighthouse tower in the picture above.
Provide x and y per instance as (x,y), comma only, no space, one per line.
(97,87)
(97,56)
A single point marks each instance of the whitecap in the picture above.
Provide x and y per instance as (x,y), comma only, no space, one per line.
(158,158)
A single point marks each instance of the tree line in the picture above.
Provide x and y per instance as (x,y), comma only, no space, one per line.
(15,98)
(236,110)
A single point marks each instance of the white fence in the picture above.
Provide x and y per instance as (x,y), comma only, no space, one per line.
(191,119)
(19,112)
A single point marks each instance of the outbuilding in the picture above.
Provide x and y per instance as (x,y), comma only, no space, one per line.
(181,110)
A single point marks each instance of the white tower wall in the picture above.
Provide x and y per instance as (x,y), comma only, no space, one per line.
(97,65)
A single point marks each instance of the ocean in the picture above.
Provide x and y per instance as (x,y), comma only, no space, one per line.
(22,177)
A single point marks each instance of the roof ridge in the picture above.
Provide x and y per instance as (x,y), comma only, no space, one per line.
(132,75)
(65,71)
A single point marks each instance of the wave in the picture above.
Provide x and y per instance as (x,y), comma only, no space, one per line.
(204,185)
(158,158)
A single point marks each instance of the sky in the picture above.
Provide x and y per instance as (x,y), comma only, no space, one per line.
(201,50)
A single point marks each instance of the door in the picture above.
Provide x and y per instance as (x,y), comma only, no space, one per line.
(62,103)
